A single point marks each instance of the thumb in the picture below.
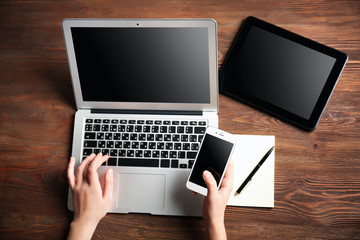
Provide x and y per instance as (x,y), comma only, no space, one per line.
(210,182)
(108,185)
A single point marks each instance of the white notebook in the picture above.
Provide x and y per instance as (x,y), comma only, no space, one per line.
(248,152)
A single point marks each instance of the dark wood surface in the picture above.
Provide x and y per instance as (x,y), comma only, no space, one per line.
(317,174)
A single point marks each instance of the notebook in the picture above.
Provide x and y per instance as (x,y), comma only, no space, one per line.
(145,90)
(260,190)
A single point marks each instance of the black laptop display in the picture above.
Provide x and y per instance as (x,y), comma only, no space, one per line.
(280,72)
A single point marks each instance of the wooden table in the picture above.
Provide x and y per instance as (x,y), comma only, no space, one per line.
(317,174)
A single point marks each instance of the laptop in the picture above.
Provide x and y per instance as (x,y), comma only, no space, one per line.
(145,90)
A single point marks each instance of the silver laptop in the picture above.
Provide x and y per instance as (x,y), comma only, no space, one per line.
(145,91)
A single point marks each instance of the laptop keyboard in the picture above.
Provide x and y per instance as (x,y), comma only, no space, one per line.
(144,143)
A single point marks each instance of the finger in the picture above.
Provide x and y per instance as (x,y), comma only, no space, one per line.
(210,183)
(108,185)
(92,175)
(70,173)
(99,160)
(227,183)
(80,171)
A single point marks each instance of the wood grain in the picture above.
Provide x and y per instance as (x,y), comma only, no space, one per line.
(317,180)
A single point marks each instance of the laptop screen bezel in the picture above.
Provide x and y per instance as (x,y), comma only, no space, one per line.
(144,23)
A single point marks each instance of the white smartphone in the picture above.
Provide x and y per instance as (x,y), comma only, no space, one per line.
(214,154)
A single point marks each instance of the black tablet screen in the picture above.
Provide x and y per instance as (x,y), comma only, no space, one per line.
(279,71)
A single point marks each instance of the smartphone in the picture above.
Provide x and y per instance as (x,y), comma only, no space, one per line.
(213,155)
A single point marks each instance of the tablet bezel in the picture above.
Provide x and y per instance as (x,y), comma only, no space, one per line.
(308,124)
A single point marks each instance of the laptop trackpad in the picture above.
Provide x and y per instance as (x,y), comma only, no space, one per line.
(141,192)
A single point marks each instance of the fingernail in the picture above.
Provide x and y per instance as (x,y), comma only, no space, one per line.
(207,174)
(110,174)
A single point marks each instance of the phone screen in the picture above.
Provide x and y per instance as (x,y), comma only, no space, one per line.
(213,157)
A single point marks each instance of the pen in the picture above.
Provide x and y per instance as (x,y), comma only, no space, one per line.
(248,179)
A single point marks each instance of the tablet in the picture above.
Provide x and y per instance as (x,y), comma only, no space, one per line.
(281,73)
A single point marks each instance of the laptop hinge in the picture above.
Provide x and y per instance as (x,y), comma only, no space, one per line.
(146,112)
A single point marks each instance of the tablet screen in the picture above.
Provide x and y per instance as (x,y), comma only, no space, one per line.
(281,72)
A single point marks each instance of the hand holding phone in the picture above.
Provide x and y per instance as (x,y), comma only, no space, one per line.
(213,156)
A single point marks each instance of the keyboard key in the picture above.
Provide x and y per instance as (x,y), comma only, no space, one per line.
(96,127)
(164,154)
(118,144)
(130,153)
(111,162)
(132,121)
(191,163)
(186,146)
(122,153)
(173,154)
(194,146)
(172,129)
(100,136)
(114,121)
(180,130)
(183,165)
(165,163)
(133,136)
(88,127)
(108,136)
(105,151)
(117,136)
(105,128)
(129,128)
(113,152)
(89,121)
(90,144)
(121,128)
(87,152)
(155,129)
(106,121)
(184,138)
(202,123)
(138,162)
(181,154)
(169,146)
(189,129)
(113,128)
(90,135)
(147,153)
(158,137)
(138,153)
(191,155)
(109,144)
(152,145)
(155,154)
(143,145)
(126,144)
(200,129)
(174,163)
(101,144)
(193,138)
(135,145)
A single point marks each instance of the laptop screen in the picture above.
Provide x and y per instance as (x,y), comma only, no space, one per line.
(134,64)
